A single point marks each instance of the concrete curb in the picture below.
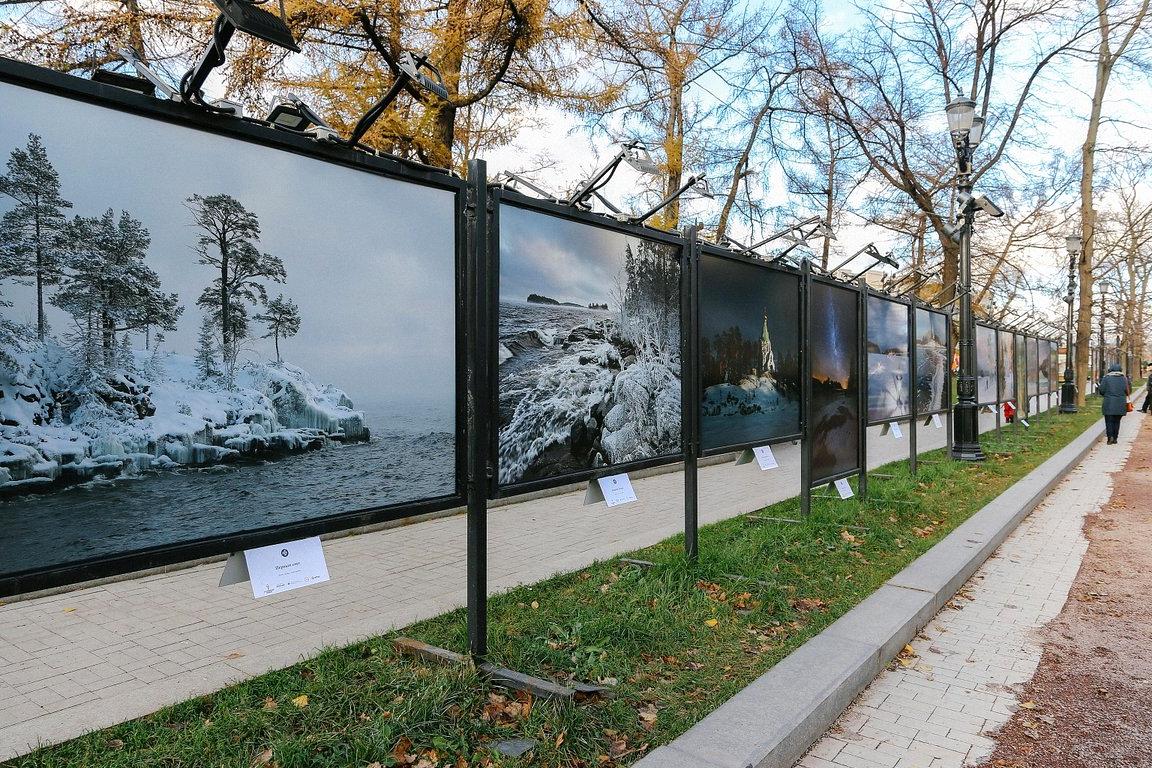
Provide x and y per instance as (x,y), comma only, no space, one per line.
(772,722)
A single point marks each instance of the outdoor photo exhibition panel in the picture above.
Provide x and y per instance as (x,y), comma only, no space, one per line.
(588,350)
(245,338)
(750,383)
(986,378)
(1021,367)
(835,427)
(1006,366)
(1033,345)
(1044,355)
(888,360)
(932,362)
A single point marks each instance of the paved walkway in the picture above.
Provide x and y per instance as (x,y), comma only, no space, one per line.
(94,657)
(936,705)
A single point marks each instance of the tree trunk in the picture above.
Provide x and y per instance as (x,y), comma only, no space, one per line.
(276,341)
(225,313)
(41,324)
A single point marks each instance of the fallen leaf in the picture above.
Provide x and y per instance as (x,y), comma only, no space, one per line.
(848,537)
(535,605)
(116,744)
(263,758)
(269,704)
(711,622)
(301,701)
(235,655)
(560,738)
(648,714)
(69,610)
(1028,705)
(400,751)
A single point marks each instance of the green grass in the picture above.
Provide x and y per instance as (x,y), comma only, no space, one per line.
(678,640)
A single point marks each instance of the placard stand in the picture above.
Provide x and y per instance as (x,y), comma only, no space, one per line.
(235,570)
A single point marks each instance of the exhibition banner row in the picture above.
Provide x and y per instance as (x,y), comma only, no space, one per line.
(217,335)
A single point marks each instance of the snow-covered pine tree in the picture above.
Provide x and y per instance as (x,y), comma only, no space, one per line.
(206,350)
(108,281)
(228,243)
(154,366)
(30,232)
(282,320)
(125,359)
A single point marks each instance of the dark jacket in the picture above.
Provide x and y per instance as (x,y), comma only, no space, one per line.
(1114,390)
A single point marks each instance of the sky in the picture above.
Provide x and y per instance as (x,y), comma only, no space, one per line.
(560,259)
(735,294)
(832,335)
(369,261)
(887,326)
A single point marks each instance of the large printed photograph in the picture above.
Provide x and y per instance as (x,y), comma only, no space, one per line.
(1044,351)
(986,382)
(201,336)
(589,347)
(889,376)
(1007,366)
(1033,367)
(749,353)
(932,360)
(1021,359)
(834,349)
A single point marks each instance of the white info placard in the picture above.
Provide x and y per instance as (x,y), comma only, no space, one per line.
(1025,422)
(843,488)
(936,421)
(286,566)
(617,489)
(897,433)
(764,457)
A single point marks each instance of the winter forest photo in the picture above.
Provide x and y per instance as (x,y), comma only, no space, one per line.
(932,360)
(888,373)
(1033,366)
(1022,386)
(589,352)
(201,336)
(985,365)
(749,353)
(835,408)
(1007,366)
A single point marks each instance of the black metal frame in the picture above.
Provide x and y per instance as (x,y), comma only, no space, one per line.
(714,251)
(996,372)
(808,481)
(1004,397)
(255,132)
(870,293)
(499,197)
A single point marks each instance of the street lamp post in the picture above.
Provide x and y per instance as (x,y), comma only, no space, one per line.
(1068,388)
(966,130)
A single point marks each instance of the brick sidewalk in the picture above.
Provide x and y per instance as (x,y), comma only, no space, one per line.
(95,657)
(961,684)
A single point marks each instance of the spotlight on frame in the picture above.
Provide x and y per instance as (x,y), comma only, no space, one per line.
(292,114)
(242,15)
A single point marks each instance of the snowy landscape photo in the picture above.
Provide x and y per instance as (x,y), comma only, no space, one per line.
(834,347)
(589,347)
(749,353)
(1044,356)
(889,377)
(1021,367)
(1007,366)
(985,365)
(1033,367)
(202,336)
(932,360)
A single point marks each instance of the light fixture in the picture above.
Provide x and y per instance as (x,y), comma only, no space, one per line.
(246,17)
(637,156)
(132,58)
(976,132)
(125,81)
(1073,244)
(953,230)
(409,67)
(292,114)
(961,113)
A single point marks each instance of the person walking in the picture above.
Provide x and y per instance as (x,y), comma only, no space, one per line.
(1115,390)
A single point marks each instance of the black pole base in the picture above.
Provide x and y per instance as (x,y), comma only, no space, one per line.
(966,433)
(1068,398)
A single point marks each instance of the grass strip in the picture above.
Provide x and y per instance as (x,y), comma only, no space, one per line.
(676,641)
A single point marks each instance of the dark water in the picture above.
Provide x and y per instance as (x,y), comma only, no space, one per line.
(410,457)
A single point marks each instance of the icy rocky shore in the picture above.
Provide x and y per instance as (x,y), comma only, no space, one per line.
(59,428)
(596,401)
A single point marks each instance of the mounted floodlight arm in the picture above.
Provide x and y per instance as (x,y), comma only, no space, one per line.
(243,15)
(870,249)
(409,72)
(132,58)
(687,185)
(877,258)
(917,285)
(817,226)
(600,177)
(782,233)
(943,289)
(507,178)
